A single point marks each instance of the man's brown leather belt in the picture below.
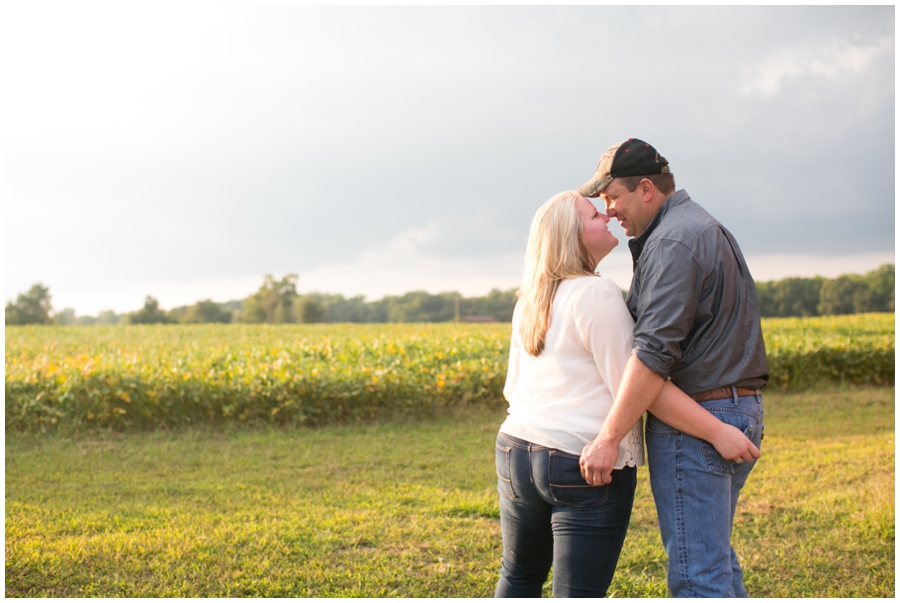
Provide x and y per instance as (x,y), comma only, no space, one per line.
(722,392)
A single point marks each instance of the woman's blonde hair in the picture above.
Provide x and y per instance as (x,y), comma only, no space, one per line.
(556,252)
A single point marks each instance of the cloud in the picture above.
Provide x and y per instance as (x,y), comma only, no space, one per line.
(128,297)
(839,58)
(401,265)
(213,143)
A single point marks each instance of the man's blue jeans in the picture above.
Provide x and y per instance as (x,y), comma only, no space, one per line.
(696,493)
(550,515)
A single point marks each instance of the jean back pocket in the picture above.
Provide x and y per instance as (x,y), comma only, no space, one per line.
(746,422)
(567,485)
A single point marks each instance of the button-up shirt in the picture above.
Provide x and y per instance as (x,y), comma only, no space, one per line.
(694,302)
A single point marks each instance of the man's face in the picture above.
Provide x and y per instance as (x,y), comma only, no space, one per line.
(626,207)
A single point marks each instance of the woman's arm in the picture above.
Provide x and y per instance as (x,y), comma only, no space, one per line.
(677,409)
(512,370)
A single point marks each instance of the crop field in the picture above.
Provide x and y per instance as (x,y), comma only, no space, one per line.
(170,375)
(409,508)
(803,352)
(392,493)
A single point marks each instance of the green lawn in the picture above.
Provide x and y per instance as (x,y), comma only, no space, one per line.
(409,509)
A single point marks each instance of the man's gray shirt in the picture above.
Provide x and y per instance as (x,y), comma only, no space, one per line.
(694,302)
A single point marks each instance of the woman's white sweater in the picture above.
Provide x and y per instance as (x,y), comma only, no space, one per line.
(561,398)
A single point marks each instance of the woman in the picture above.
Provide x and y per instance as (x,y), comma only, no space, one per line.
(572,336)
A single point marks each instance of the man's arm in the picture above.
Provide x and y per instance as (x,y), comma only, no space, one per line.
(671,405)
(671,286)
(678,410)
(639,388)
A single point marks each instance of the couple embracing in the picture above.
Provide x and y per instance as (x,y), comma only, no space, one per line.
(685,346)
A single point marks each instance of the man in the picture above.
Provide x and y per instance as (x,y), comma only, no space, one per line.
(697,323)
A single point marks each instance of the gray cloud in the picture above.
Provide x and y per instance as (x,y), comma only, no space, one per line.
(237,141)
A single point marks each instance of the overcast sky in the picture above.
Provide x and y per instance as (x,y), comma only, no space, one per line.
(186,152)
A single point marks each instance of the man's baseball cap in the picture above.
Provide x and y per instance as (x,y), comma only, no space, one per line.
(630,158)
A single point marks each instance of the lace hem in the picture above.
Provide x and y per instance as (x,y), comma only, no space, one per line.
(634,445)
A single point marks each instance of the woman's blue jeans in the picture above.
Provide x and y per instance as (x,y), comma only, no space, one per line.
(696,493)
(550,515)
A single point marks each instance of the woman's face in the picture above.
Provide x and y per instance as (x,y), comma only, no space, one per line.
(597,237)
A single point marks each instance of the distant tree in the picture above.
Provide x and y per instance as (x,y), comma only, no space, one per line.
(310,310)
(149,314)
(379,309)
(497,304)
(206,311)
(765,296)
(108,317)
(338,309)
(176,315)
(273,303)
(415,306)
(235,307)
(87,320)
(879,294)
(66,316)
(420,306)
(837,294)
(33,307)
(797,296)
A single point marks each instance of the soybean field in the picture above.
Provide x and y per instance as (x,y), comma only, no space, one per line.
(125,377)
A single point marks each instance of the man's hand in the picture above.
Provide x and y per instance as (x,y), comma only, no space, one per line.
(733,445)
(598,459)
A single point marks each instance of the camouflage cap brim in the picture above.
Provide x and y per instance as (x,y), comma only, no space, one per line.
(632,157)
(602,176)
(596,184)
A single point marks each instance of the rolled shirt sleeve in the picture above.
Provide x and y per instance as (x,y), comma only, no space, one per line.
(694,302)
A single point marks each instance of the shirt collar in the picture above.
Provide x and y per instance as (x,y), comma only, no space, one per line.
(636,245)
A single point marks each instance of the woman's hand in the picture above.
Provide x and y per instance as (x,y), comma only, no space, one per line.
(733,445)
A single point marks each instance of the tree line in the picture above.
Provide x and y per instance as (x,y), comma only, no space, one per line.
(817,296)
(277,301)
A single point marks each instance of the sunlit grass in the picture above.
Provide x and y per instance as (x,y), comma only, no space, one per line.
(409,508)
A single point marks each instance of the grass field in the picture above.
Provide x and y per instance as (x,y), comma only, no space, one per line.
(409,508)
